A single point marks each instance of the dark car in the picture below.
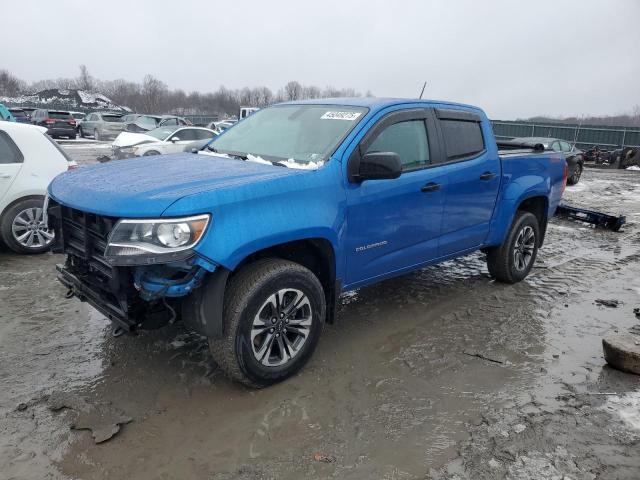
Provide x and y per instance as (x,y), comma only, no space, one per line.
(20,115)
(59,123)
(573,155)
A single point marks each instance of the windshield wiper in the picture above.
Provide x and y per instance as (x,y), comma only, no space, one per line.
(213,149)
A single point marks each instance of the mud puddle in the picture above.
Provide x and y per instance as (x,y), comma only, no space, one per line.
(435,374)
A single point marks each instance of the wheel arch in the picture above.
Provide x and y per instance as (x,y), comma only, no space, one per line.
(538,205)
(18,200)
(315,253)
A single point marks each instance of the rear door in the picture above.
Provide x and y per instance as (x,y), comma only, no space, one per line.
(394,224)
(11,161)
(473,180)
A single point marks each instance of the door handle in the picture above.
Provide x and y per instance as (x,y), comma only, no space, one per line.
(487,176)
(5,175)
(430,187)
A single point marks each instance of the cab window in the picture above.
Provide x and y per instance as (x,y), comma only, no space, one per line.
(408,139)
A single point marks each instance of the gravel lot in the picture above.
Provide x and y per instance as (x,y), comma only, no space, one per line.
(438,374)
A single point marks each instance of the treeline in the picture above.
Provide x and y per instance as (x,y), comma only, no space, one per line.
(153,96)
(627,120)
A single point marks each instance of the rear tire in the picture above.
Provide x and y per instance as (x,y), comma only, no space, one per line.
(512,261)
(575,176)
(274,314)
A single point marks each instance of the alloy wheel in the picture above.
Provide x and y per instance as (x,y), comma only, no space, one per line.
(29,229)
(281,327)
(523,248)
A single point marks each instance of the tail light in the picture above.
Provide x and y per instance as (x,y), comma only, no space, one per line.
(72,122)
(72,166)
(49,121)
(565,175)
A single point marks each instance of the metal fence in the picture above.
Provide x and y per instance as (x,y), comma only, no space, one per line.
(584,136)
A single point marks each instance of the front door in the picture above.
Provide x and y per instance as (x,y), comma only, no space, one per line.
(395,224)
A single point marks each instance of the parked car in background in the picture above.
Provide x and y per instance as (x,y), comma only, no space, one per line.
(136,123)
(29,111)
(574,156)
(59,123)
(102,125)
(168,120)
(254,240)
(20,115)
(5,114)
(221,125)
(79,118)
(246,111)
(29,160)
(160,141)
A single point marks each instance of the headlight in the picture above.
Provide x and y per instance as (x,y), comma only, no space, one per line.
(154,240)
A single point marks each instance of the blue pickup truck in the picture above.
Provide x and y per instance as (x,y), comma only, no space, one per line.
(251,241)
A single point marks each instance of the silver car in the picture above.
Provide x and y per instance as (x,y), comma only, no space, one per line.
(102,125)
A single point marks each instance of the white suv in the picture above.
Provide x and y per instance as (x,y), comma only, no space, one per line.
(29,160)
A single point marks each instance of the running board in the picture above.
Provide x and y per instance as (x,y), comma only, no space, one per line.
(590,216)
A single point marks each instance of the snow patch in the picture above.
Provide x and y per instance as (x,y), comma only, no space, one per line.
(626,407)
(634,167)
(257,159)
(291,163)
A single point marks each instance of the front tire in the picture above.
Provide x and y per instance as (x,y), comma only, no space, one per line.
(274,314)
(22,227)
(512,261)
(150,153)
(96,135)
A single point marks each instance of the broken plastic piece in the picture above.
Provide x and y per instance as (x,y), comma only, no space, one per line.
(590,216)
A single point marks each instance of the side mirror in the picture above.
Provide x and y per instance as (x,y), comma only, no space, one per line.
(378,166)
(175,139)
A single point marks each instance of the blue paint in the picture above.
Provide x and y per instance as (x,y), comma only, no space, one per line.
(255,206)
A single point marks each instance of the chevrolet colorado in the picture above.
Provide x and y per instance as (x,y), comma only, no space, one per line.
(251,240)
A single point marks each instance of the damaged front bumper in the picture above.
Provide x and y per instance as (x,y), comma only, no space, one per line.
(144,297)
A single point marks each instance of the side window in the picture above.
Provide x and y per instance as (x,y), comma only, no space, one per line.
(9,151)
(186,134)
(461,138)
(555,146)
(407,139)
(203,134)
(566,147)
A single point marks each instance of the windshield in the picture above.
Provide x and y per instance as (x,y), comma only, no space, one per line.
(302,133)
(147,122)
(162,132)
(59,115)
(112,118)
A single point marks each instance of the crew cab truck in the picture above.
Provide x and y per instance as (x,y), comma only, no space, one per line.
(251,240)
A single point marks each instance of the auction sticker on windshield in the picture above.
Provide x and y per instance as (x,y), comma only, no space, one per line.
(340,116)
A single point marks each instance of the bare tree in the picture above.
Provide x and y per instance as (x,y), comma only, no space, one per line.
(293,90)
(85,80)
(10,85)
(153,91)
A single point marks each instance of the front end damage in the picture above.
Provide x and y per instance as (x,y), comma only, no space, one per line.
(133,297)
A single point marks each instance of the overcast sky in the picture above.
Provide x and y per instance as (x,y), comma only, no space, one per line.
(513,58)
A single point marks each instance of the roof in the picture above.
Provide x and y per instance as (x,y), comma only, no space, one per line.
(10,126)
(373,103)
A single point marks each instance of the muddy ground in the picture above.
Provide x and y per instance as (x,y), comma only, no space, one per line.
(439,374)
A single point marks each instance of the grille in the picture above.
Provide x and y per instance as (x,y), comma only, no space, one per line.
(84,236)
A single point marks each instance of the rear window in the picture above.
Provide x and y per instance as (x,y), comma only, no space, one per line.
(58,147)
(462,138)
(78,116)
(112,118)
(59,115)
(9,151)
(18,112)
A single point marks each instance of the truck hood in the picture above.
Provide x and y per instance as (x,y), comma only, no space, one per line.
(147,186)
